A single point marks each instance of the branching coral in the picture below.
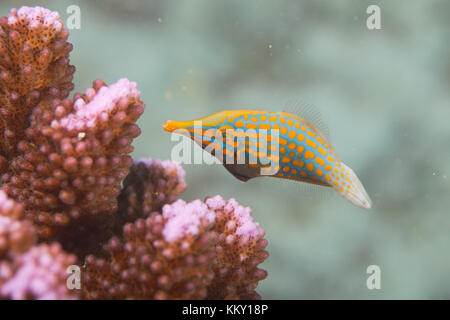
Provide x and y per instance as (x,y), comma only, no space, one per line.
(15,235)
(239,251)
(62,165)
(157,258)
(63,159)
(34,66)
(149,185)
(193,250)
(68,172)
(29,270)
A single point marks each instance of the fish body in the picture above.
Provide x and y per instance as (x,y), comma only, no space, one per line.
(298,149)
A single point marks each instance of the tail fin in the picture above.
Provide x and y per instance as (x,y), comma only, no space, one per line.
(354,190)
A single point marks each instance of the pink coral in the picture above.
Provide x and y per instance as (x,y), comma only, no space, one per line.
(185,220)
(63,159)
(62,165)
(144,265)
(39,273)
(150,184)
(34,66)
(240,250)
(192,251)
(15,235)
(27,270)
(71,166)
(9,207)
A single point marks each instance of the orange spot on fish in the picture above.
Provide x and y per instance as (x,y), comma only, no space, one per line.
(265,126)
(320,150)
(309,154)
(320,161)
(311,143)
(239,124)
(285,160)
(298,163)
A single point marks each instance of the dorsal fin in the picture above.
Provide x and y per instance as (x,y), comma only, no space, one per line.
(310,113)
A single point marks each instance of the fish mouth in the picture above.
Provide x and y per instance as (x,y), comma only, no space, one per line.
(180,127)
(170,125)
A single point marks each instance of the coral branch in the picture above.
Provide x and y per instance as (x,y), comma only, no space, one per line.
(144,265)
(34,65)
(27,270)
(149,185)
(192,251)
(40,273)
(239,251)
(75,157)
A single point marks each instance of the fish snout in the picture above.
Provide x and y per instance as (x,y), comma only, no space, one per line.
(170,125)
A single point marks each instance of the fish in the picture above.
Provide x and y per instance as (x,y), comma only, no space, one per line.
(255,143)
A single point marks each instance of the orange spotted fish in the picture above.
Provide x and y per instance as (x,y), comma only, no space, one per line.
(299,150)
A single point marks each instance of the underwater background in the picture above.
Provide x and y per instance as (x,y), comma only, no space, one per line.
(383,95)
